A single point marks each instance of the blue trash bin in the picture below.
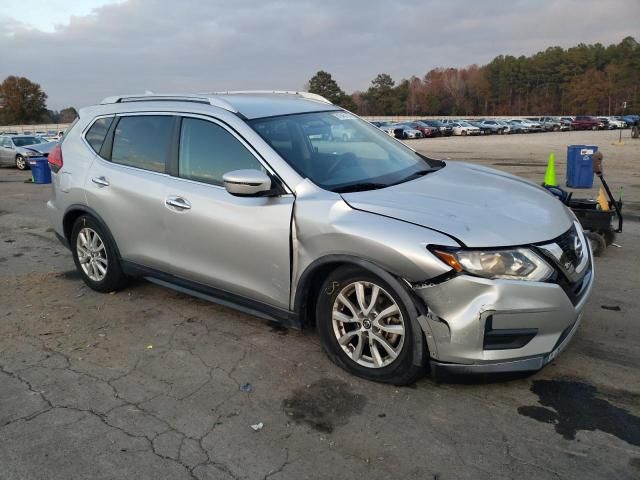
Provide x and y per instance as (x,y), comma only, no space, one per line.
(40,170)
(580,165)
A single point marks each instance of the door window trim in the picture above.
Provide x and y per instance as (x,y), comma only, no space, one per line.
(86,129)
(107,144)
(216,121)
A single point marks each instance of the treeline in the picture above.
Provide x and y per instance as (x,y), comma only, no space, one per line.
(22,102)
(586,79)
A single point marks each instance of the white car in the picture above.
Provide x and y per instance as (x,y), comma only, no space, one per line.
(464,128)
(615,123)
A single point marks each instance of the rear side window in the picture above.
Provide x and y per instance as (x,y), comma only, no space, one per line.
(97,133)
(208,151)
(143,142)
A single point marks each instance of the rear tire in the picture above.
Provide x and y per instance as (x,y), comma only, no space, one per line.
(363,342)
(95,256)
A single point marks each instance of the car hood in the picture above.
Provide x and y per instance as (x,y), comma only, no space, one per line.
(478,206)
(38,147)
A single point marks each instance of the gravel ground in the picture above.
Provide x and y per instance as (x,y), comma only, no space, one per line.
(152,384)
(527,155)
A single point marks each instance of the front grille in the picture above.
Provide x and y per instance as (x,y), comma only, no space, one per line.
(569,253)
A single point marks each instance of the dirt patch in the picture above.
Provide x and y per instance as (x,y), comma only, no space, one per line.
(573,406)
(324,405)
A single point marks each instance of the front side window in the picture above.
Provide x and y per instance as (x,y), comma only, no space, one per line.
(208,151)
(143,142)
(97,133)
(339,152)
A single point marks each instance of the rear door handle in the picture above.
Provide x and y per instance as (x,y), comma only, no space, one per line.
(178,202)
(100,181)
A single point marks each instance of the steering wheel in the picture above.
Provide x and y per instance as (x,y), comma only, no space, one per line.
(339,161)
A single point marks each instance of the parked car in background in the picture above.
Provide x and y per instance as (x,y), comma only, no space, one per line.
(617,121)
(609,122)
(484,130)
(445,130)
(603,123)
(565,123)
(17,149)
(463,128)
(584,122)
(426,130)
(399,261)
(51,136)
(527,126)
(631,120)
(407,131)
(550,124)
(493,125)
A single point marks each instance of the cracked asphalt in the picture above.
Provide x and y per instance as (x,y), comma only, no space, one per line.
(148,383)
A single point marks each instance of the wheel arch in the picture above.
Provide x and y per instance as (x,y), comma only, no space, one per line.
(73,212)
(307,289)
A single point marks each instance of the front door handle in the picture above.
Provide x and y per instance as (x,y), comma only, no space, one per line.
(100,181)
(178,202)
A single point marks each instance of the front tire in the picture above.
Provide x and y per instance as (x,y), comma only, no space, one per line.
(369,327)
(95,256)
(21,163)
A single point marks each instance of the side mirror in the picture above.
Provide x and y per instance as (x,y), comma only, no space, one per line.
(247,183)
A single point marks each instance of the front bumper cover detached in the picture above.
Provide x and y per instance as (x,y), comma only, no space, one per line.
(464,312)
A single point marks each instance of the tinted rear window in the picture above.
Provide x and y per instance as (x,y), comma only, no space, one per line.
(143,142)
(97,133)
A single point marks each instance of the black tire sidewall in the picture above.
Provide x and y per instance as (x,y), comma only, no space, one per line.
(404,369)
(114,279)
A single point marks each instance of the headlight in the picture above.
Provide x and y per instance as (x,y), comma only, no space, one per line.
(511,264)
(31,153)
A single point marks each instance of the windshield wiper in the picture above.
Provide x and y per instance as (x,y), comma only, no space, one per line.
(414,175)
(359,187)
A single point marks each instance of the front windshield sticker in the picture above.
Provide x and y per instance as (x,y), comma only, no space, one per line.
(343,116)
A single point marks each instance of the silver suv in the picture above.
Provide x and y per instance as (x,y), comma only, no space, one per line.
(247,199)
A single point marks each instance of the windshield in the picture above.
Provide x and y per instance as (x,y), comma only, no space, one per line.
(339,152)
(24,141)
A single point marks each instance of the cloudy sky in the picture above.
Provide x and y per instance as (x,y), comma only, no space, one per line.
(83,50)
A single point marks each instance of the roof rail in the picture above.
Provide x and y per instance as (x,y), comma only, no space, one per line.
(307,95)
(149,97)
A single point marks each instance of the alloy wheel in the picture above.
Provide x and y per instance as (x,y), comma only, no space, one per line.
(92,254)
(368,324)
(21,162)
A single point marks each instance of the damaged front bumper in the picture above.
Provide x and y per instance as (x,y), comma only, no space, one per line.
(477,325)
